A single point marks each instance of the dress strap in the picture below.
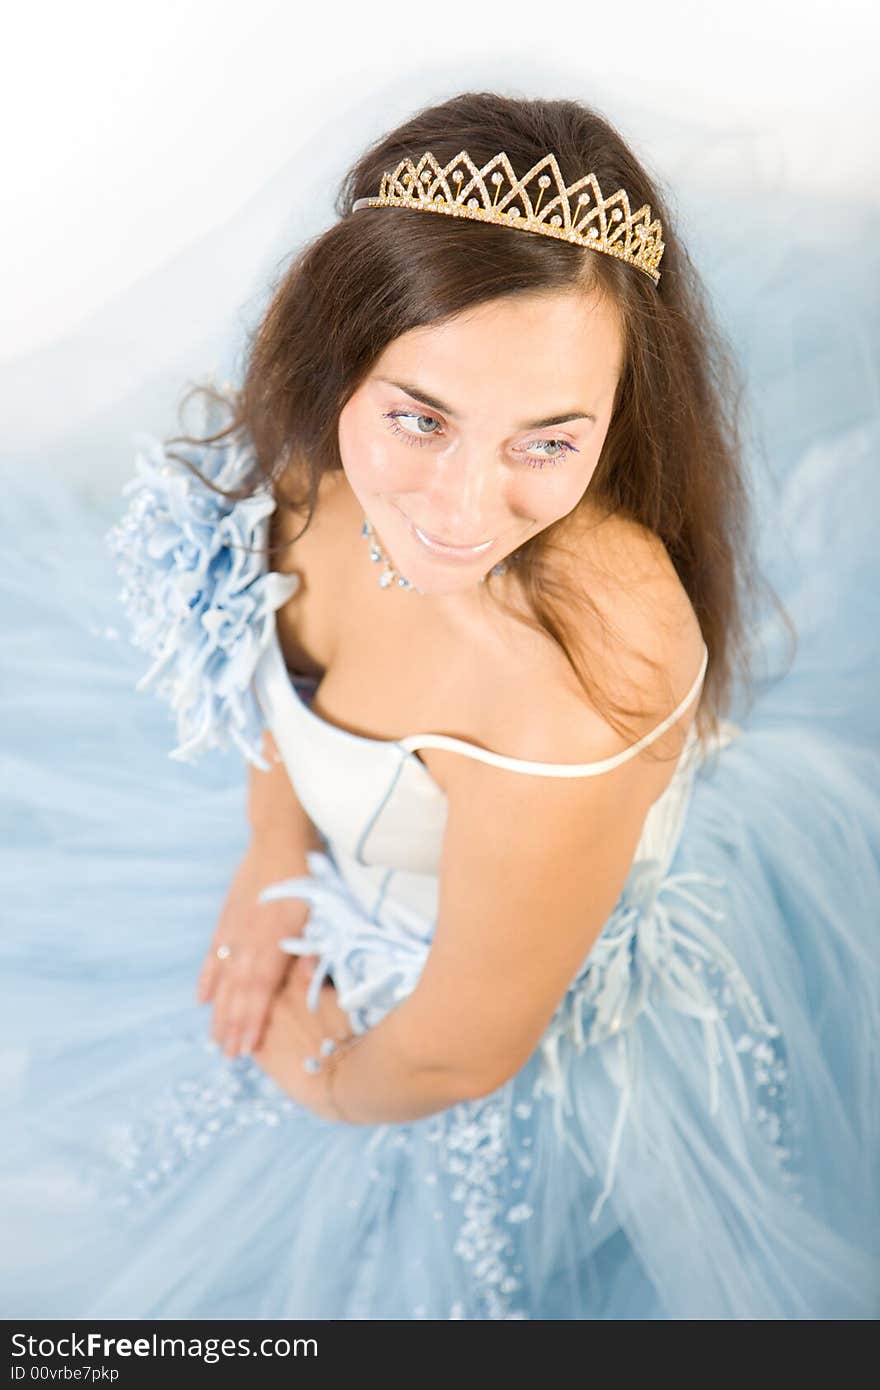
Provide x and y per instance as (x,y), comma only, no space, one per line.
(483,755)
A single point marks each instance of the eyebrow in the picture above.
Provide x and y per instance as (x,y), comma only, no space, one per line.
(418,394)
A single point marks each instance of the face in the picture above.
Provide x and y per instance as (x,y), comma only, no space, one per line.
(470,437)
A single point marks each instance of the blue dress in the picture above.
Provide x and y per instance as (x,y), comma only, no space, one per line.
(696,1135)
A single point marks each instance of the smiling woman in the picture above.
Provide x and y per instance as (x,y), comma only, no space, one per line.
(482,483)
(563,981)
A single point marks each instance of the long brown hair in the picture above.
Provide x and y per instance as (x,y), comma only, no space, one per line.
(672,460)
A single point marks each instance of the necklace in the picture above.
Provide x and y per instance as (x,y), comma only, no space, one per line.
(389,573)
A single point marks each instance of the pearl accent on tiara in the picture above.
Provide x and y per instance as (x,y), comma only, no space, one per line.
(583,218)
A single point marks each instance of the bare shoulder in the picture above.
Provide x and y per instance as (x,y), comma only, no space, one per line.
(640,631)
(631,625)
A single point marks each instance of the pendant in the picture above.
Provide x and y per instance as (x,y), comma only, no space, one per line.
(389,574)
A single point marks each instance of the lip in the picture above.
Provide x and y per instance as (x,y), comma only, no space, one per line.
(440,548)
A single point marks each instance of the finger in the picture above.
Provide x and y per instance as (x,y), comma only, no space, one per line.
(246,1015)
(223,1010)
(273,1025)
(258,1014)
(207,980)
(246,1006)
(244,987)
(253,1029)
(218,1022)
(214,969)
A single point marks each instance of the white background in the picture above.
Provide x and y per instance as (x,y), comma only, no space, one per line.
(130,129)
(163,160)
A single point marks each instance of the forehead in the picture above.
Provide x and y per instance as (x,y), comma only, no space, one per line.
(547,349)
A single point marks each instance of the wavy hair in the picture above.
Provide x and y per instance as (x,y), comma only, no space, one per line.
(672,460)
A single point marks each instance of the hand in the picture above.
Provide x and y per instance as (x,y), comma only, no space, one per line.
(294,1032)
(242,985)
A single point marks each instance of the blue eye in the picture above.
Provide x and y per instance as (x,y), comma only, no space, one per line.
(392,416)
(550,460)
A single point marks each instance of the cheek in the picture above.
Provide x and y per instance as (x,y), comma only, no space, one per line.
(549,494)
(371,461)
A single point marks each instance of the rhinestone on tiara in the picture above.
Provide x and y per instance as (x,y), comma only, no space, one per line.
(579,214)
(389,573)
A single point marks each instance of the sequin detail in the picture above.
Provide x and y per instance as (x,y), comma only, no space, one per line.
(475,1143)
(643,962)
(147,1153)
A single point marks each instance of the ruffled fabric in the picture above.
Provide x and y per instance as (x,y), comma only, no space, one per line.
(373,965)
(196,591)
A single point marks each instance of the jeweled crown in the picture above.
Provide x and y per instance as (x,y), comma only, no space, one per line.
(579,214)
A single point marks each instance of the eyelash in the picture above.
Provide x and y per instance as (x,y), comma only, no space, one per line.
(393,415)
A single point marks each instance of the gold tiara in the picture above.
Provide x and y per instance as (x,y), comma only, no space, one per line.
(606,225)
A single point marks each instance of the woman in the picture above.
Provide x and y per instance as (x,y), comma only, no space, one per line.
(541,989)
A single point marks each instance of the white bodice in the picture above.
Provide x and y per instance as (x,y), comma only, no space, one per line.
(382,814)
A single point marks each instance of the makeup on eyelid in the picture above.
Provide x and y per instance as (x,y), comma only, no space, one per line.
(549,461)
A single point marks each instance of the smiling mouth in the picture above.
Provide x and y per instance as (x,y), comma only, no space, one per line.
(447,545)
(439,547)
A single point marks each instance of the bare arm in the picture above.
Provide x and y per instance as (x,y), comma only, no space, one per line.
(531,870)
(242,988)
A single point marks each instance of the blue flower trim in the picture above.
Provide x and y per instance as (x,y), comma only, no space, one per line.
(374,965)
(197,592)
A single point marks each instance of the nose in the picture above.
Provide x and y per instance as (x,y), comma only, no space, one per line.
(464,502)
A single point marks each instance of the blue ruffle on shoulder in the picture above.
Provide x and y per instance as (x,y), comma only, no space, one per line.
(197,591)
